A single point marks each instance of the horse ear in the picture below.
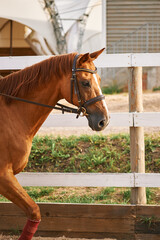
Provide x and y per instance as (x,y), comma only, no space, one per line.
(84,58)
(94,55)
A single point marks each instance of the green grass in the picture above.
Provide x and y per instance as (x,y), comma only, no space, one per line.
(89,154)
(95,153)
(87,195)
(111,89)
(156,89)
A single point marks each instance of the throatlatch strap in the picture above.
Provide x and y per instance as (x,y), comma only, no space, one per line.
(72,82)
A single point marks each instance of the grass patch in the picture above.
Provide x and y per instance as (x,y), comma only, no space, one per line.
(79,154)
(87,195)
(156,89)
(95,153)
(111,89)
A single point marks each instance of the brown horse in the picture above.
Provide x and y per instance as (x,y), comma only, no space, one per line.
(46,82)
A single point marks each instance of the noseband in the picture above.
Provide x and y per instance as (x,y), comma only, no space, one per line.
(74,86)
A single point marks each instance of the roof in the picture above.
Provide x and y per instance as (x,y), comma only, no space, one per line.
(31,13)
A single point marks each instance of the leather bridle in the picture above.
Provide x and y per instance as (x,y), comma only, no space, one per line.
(74,84)
(82,108)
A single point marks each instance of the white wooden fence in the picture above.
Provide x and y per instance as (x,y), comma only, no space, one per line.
(133,119)
(90,179)
(103,61)
(124,119)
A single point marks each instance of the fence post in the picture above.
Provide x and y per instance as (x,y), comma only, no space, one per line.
(137,148)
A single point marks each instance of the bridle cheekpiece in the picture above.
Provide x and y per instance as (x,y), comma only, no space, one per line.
(82,108)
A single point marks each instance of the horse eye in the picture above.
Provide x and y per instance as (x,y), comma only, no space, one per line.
(86,84)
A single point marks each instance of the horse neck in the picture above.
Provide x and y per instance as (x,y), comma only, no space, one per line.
(45,82)
(33,116)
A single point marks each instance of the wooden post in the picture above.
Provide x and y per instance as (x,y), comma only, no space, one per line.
(137,147)
(11,37)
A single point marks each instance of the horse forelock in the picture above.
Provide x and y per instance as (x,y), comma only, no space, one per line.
(37,75)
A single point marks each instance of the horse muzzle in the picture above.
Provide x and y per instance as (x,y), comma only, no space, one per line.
(98,122)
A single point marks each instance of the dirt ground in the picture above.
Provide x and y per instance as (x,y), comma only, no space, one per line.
(2,237)
(115,103)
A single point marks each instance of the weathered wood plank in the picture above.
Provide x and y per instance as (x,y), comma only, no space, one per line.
(72,210)
(73,218)
(87,210)
(88,225)
(147,220)
(147,225)
(81,220)
(148,210)
(137,154)
(74,224)
(12,223)
(147,236)
(10,209)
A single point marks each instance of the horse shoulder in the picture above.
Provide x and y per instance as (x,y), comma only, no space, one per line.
(15,145)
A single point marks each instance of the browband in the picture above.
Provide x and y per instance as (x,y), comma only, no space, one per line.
(86,70)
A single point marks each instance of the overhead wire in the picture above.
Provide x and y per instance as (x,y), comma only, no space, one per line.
(75,10)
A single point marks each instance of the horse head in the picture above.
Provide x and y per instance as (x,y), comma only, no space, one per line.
(85,91)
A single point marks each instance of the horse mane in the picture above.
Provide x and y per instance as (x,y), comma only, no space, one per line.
(28,79)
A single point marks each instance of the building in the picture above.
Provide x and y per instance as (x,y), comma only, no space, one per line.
(132,26)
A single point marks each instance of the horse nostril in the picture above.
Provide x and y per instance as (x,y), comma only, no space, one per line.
(102,123)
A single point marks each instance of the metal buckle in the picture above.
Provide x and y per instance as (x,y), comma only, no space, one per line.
(84,112)
(81,112)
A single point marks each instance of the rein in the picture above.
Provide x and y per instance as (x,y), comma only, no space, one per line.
(61,107)
(74,84)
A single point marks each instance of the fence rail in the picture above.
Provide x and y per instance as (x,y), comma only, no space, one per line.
(104,60)
(90,179)
(123,119)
